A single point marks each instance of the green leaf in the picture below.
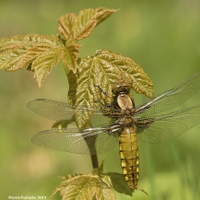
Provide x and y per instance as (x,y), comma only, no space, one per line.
(9,60)
(44,63)
(66,27)
(119,184)
(19,51)
(69,57)
(104,69)
(127,69)
(37,52)
(26,41)
(73,28)
(84,187)
(31,54)
(88,19)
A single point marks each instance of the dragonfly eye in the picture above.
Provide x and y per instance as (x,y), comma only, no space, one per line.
(121,87)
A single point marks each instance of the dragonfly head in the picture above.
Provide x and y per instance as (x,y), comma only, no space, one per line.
(121,87)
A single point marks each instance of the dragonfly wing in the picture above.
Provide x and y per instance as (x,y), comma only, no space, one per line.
(58,111)
(171,98)
(73,141)
(168,126)
(99,120)
(51,109)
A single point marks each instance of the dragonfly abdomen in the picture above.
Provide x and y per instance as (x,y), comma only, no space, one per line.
(129,156)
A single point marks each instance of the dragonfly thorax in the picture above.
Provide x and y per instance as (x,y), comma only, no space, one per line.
(124,102)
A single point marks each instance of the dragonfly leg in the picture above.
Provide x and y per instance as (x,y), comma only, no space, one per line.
(102,104)
(101,90)
(113,130)
(106,108)
(144,123)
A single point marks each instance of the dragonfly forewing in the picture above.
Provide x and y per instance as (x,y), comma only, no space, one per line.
(171,98)
(171,125)
(61,111)
(51,109)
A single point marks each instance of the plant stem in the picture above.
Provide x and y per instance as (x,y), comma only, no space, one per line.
(94,160)
(92,148)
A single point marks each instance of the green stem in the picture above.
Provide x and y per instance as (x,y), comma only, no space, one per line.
(94,160)
(93,155)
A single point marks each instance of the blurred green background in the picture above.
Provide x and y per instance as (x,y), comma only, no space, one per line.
(161,36)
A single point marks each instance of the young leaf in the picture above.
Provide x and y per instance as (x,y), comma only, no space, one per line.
(84,187)
(85,24)
(31,54)
(38,52)
(125,68)
(73,28)
(26,41)
(104,69)
(66,27)
(44,63)
(9,60)
(88,19)
(69,57)
(19,51)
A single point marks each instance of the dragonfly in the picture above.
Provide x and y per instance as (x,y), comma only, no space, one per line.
(154,121)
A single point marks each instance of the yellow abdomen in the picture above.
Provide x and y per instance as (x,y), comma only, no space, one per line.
(129,156)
